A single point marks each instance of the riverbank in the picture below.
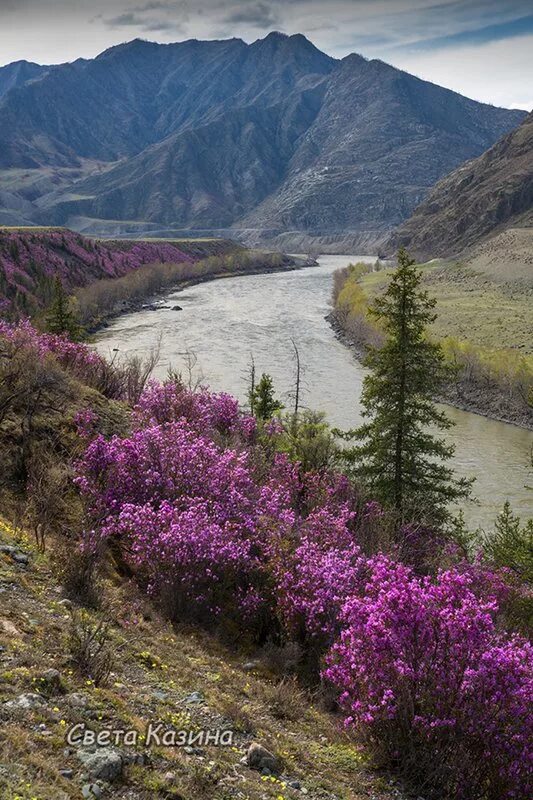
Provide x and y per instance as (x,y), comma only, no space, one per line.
(106,300)
(476,387)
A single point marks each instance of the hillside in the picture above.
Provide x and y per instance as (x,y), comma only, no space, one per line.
(30,259)
(270,137)
(181,676)
(484,197)
(197,605)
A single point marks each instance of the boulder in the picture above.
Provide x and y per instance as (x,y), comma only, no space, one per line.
(105,764)
(26,702)
(259,758)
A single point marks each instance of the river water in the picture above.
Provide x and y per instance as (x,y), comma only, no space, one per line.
(224,321)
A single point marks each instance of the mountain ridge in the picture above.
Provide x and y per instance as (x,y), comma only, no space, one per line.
(273,135)
(480,199)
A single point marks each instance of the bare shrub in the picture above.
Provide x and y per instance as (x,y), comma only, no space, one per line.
(47,507)
(90,647)
(285,699)
(281,660)
(238,715)
(79,576)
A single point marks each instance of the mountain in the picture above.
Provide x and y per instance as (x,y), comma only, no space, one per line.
(273,136)
(18,73)
(485,196)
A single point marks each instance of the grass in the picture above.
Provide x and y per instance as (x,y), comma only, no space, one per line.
(156,666)
(472,308)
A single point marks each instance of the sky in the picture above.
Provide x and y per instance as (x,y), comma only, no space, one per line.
(481,48)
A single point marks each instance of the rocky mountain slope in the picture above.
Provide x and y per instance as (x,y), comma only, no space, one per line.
(485,196)
(272,136)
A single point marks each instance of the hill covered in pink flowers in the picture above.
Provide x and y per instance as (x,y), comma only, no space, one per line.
(31,258)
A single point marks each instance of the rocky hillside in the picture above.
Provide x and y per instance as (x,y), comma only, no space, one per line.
(486,196)
(181,677)
(30,259)
(274,136)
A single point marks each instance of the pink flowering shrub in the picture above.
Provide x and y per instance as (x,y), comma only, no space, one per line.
(75,357)
(206,412)
(220,527)
(440,692)
(29,257)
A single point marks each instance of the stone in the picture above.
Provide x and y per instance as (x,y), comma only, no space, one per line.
(65,603)
(106,763)
(259,758)
(16,555)
(195,697)
(26,702)
(9,628)
(67,773)
(294,784)
(51,683)
(90,790)
(177,308)
(77,700)
(251,666)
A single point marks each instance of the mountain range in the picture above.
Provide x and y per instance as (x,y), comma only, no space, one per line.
(259,138)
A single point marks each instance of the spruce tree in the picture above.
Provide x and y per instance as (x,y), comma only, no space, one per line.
(262,401)
(399,457)
(61,319)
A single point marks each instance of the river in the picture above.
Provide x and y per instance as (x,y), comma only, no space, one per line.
(224,321)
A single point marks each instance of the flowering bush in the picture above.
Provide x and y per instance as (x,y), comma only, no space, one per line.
(206,412)
(221,527)
(439,691)
(30,257)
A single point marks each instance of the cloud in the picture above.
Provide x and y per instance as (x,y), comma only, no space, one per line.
(152,17)
(488,33)
(259,15)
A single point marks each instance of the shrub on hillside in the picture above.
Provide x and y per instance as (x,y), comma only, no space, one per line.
(440,693)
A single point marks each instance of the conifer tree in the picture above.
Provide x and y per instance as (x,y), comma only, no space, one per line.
(262,401)
(399,457)
(61,318)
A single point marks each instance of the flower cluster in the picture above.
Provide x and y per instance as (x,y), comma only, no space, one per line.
(422,667)
(74,356)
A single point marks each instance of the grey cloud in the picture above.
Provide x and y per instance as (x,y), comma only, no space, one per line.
(260,15)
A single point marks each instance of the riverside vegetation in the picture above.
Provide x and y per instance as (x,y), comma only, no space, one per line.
(256,527)
(483,329)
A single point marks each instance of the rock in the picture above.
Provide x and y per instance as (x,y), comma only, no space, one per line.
(66,773)
(294,784)
(9,628)
(105,763)
(65,603)
(50,682)
(177,308)
(26,701)
(90,790)
(77,700)
(17,555)
(195,697)
(259,758)
(250,666)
